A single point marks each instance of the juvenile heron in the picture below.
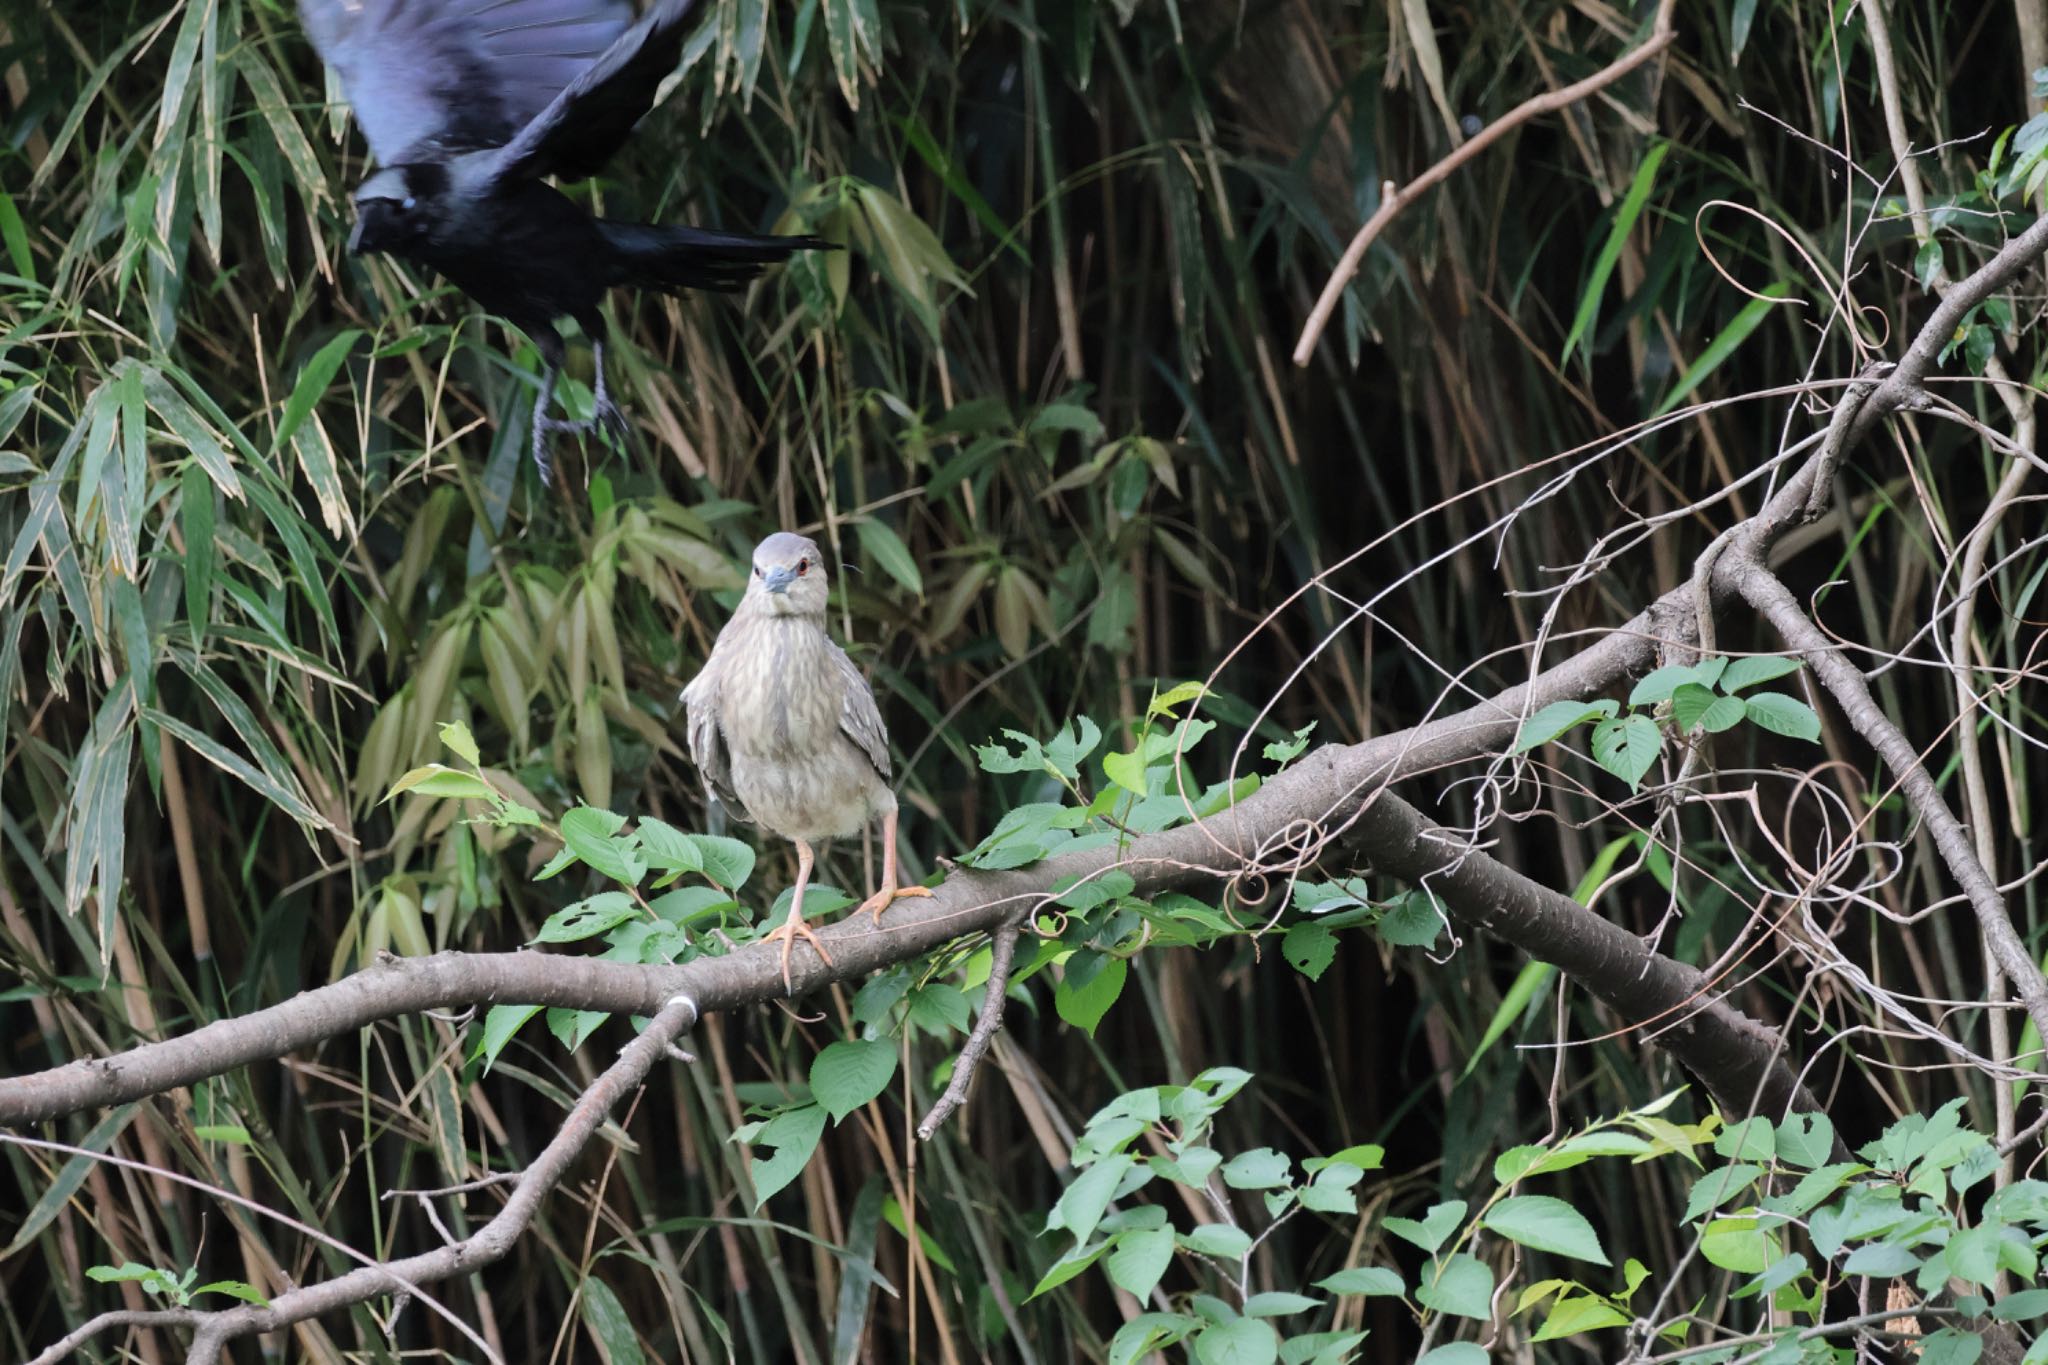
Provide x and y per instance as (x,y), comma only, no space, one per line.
(785,731)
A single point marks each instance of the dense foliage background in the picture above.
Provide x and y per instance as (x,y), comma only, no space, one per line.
(265,526)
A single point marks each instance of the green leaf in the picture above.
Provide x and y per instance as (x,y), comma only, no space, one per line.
(588,918)
(1260,1169)
(1756,668)
(1721,347)
(726,861)
(1436,1225)
(881,544)
(1083,1203)
(1278,1303)
(668,848)
(1413,921)
(1146,1333)
(195,521)
(1243,1342)
(1575,1313)
(1126,770)
(1717,1187)
(847,1074)
(1456,1353)
(1610,251)
(1694,707)
(234,1289)
(1224,1241)
(1659,683)
(1090,984)
(1139,1260)
(1740,17)
(1065,753)
(610,1323)
(1738,1244)
(436,780)
(1067,1267)
(456,736)
(1363,1279)
(589,833)
(1543,1223)
(1461,1286)
(312,385)
(1558,717)
(1284,752)
(1627,747)
(1310,948)
(793,1134)
(1784,715)
(1805,1140)
(501,1022)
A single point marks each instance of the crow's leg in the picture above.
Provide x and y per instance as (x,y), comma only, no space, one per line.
(552,354)
(608,415)
(542,424)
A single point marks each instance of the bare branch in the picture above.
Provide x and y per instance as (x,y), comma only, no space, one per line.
(1391,207)
(1001,954)
(490,1241)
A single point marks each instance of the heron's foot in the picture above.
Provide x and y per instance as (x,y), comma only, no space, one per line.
(888,896)
(792,929)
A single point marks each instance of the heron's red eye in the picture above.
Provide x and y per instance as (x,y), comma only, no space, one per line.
(803,566)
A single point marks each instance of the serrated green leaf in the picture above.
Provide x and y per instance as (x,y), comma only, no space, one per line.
(1139,1259)
(1784,715)
(1364,1279)
(847,1074)
(1548,1224)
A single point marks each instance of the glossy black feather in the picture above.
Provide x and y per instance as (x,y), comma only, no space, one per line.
(469,105)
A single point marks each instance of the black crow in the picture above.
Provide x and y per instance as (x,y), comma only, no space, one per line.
(467,106)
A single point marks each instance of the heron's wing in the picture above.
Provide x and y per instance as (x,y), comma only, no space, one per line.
(707,741)
(430,78)
(859,719)
(585,123)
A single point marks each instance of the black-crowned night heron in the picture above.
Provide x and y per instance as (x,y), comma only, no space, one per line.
(784,728)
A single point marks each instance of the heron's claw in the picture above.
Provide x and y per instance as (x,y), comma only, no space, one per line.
(888,896)
(793,928)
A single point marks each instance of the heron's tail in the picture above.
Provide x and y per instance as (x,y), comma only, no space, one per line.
(648,256)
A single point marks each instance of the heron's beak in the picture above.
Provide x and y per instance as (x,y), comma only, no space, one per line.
(778,579)
(355,237)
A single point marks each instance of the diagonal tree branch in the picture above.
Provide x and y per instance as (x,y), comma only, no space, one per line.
(1845,682)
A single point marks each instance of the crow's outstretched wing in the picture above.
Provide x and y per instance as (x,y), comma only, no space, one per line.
(430,78)
(577,133)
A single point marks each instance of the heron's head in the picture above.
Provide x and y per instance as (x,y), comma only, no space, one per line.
(789,576)
(397,208)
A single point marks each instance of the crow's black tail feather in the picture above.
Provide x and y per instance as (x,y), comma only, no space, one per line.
(671,258)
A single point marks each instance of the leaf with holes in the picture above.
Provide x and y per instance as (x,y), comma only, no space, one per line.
(1627,746)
